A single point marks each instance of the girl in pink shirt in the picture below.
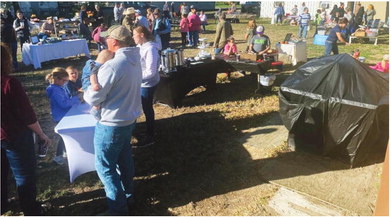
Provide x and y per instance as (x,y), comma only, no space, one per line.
(184,25)
(230,48)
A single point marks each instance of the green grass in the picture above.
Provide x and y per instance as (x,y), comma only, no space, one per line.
(197,151)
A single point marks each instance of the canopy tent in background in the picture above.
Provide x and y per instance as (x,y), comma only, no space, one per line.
(337,106)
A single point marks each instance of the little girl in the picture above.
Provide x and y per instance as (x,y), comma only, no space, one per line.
(184,25)
(230,48)
(74,84)
(60,103)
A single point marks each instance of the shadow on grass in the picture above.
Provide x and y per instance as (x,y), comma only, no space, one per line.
(197,157)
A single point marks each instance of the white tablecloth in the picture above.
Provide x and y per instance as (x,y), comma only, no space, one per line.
(36,54)
(77,130)
(296,51)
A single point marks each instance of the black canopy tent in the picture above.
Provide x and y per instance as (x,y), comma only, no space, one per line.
(337,106)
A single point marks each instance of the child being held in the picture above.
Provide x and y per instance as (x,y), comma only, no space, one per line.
(74,84)
(383,66)
(230,48)
(90,76)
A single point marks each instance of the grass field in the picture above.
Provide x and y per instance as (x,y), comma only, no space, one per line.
(196,155)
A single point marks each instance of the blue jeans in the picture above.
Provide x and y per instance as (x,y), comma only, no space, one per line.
(113,150)
(147,102)
(330,46)
(303,31)
(20,157)
(218,50)
(193,38)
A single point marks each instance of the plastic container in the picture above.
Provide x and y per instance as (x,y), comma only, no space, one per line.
(267,80)
(361,59)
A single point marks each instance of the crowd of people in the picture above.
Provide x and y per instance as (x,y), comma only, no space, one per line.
(120,85)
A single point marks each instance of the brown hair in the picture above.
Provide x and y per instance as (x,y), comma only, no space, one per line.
(72,68)
(6,59)
(57,73)
(343,21)
(147,34)
(251,24)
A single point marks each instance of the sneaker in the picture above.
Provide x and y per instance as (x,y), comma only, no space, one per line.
(59,160)
(145,143)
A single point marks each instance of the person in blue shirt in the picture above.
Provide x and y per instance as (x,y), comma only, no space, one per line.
(304,22)
(279,13)
(334,36)
(60,103)
(74,84)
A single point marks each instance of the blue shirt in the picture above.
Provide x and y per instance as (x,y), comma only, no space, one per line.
(279,11)
(304,19)
(85,77)
(162,26)
(72,88)
(333,34)
(60,103)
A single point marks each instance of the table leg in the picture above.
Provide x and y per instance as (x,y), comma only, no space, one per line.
(258,83)
(350,39)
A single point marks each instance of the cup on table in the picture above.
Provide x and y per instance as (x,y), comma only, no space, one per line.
(237,57)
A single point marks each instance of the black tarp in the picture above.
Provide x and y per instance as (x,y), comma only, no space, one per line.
(337,106)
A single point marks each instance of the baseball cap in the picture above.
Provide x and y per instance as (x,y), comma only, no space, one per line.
(192,7)
(260,29)
(117,32)
(137,11)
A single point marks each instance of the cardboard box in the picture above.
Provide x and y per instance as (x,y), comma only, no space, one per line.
(359,34)
(247,56)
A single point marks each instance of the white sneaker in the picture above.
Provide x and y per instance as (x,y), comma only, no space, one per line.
(59,160)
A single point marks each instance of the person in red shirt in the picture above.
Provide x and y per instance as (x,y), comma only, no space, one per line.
(194,27)
(101,41)
(18,122)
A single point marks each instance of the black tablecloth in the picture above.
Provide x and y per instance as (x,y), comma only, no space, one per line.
(173,87)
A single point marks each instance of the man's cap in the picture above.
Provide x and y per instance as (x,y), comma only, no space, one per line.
(129,11)
(33,16)
(260,29)
(118,32)
(192,7)
(137,11)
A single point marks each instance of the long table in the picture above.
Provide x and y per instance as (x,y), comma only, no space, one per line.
(36,54)
(77,130)
(173,87)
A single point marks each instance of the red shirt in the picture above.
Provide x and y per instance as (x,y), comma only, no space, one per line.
(194,22)
(16,110)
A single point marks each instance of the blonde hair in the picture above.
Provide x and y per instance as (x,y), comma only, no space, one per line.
(251,24)
(57,73)
(371,7)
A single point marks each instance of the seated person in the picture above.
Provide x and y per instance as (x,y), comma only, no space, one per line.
(47,29)
(230,48)
(101,41)
(383,66)
(260,43)
(34,23)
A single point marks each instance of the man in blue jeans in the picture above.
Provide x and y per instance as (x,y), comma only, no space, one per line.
(335,34)
(119,98)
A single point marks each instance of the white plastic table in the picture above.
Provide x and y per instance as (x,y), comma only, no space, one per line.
(296,51)
(77,130)
(36,54)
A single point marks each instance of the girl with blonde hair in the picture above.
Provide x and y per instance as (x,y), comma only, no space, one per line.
(60,103)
